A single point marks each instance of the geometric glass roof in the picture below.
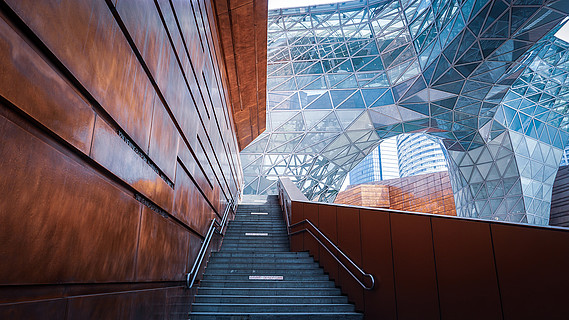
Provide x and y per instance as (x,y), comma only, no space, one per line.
(471,73)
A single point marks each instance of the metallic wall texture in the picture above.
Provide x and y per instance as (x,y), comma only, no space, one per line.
(117,149)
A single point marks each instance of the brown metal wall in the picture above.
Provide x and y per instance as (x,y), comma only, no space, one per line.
(425,193)
(436,267)
(117,149)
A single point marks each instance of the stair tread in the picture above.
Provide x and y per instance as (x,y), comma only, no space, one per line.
(227,290)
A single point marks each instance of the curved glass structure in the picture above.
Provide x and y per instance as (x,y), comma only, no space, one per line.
(343,77)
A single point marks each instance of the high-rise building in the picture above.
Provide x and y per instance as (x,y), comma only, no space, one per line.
(389,161)
(418,154)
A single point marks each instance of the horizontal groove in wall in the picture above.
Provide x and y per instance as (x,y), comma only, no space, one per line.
(17,293)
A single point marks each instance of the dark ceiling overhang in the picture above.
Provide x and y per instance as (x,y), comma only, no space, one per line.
(242,26)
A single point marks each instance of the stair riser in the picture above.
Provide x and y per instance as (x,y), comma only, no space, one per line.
(251,218)
(266,284)
(255,240)
(260,261)
(292,255)
(257,224)
(249,255)
(270,216)
(271,292)
(257,244)
(255,250)
(240,234)
(271,300)
(242,237)
(258,220)
(263,272)
(262,266)
(256,228)
(287,277)
(277,316)
(255,247)
(197,307)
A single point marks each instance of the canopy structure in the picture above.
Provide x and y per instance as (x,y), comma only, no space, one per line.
(486,78)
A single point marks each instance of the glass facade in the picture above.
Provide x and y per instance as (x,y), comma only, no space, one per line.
(343,77)
(418,154)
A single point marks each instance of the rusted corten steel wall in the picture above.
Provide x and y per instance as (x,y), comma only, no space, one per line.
(438,267)
(117,149)
(425,193)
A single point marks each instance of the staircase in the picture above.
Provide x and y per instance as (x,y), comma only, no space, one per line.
(255,276)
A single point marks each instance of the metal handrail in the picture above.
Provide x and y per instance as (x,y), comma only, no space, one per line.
(213,228)
(364,274)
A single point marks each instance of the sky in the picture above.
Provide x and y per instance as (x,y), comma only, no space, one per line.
(563,33)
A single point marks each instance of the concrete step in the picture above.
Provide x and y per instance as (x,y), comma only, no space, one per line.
(263,265)
(264,299)
(256,235)
(271,211)
(248,217)
(252,224)
(265,205)
(254,260)
(261,255)
(256,242)
(238,236)
(267,271)
(257,224)
(270,291)
(241,231)
(257,219)
(269,307)
(276,316)
(256,250)
(288,277)
(265,284)
(253,246)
